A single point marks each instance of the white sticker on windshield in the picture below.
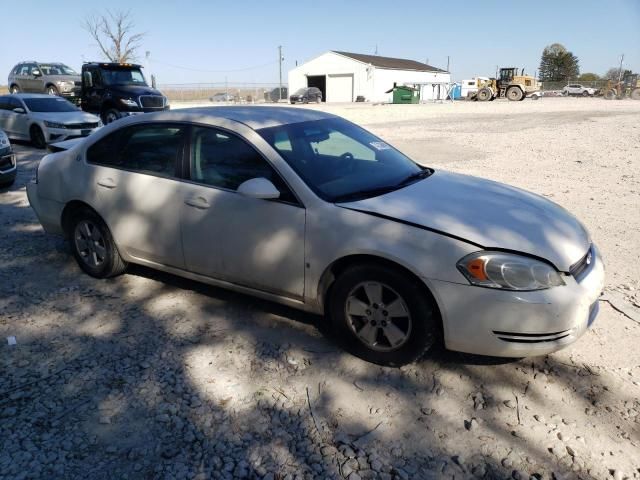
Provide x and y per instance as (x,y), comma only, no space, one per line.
(380,145)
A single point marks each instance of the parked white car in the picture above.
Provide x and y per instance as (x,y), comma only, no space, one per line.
(8,166)
(577,89)
(307,209)
(43,119)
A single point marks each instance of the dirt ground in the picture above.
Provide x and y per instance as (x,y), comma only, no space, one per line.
(151,376)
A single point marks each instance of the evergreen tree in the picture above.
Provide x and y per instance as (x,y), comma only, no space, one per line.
(557,64)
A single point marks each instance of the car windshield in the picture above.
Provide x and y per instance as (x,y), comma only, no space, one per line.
(301,91)
(121,76)
(56,69)
(49,104)
(340,161)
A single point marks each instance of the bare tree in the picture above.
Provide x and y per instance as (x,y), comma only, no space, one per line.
(114,34)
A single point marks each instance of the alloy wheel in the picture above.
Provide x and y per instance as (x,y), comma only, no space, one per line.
(378,316)
(90,244)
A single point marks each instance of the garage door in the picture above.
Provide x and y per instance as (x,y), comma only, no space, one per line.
(340,88)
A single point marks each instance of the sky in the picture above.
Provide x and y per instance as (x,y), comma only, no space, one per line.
(210,41)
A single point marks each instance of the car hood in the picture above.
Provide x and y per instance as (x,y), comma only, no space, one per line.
(486,213)
(66,117)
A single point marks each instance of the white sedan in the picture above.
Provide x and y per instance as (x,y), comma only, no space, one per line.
(307,209)
(44,119)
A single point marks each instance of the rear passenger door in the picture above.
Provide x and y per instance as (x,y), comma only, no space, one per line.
(134,175)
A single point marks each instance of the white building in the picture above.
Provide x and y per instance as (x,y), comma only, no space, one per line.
(343,77)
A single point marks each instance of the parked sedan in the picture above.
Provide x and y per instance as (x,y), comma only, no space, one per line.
(306,95)
(8,166)
(312,211)
(44,118)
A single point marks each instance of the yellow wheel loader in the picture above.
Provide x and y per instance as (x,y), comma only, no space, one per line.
(510,85)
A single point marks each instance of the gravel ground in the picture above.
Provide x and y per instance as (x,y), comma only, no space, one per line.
(151,376)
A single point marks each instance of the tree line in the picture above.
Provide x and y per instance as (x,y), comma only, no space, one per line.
(557,64)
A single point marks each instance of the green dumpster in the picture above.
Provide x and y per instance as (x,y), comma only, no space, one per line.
(404,94)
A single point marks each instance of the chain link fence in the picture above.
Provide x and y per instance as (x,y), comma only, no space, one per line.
(597,84)
(224,92)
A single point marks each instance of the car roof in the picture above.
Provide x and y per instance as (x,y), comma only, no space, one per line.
(254,116)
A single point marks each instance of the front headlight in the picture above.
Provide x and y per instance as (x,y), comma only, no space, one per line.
(507,271)
(128,102)
(54,124)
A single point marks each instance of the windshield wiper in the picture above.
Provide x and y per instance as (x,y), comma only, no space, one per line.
(415,176)
(365,193)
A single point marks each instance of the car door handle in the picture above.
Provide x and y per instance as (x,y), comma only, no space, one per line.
(197,202)
(107,183)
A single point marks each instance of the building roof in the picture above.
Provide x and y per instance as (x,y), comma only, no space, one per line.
(390,63)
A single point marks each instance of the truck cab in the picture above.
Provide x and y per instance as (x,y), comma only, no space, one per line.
(115,90)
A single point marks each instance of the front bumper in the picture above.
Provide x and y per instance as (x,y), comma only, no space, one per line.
(61,134)
(500,323)
(8,168)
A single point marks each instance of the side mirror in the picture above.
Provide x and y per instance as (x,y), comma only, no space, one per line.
(36,73)
(19,110)
(258,188)
(88,80)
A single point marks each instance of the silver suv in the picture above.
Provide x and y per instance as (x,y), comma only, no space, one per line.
(51,78)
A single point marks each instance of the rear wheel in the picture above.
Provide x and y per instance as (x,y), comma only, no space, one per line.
(93,246)
(484,94)
(14,89)
(37,137)
(515,94)
(383,316)
(610,95)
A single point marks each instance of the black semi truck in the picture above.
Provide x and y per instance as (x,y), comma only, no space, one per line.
(115,90)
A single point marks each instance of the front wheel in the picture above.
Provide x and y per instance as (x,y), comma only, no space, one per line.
(585,94)
(382,316)
(93,246)
(484,94)
(52,90)
(37,137)
(110,116)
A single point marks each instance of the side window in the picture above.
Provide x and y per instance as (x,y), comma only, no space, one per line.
(14,103)
(223,160)
(24,69)
(152,149)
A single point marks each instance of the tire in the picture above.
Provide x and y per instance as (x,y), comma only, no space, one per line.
(93,246)
(110,115)
(37,137)
(318,99)
(635,94)
(609,95)
(535,97)
(585,94)
(52,90)
(483,95)
(14,89)
(366,328)
(514,94)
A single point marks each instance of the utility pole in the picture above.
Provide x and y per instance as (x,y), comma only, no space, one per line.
(620,69)
(280,66)
(447,63)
